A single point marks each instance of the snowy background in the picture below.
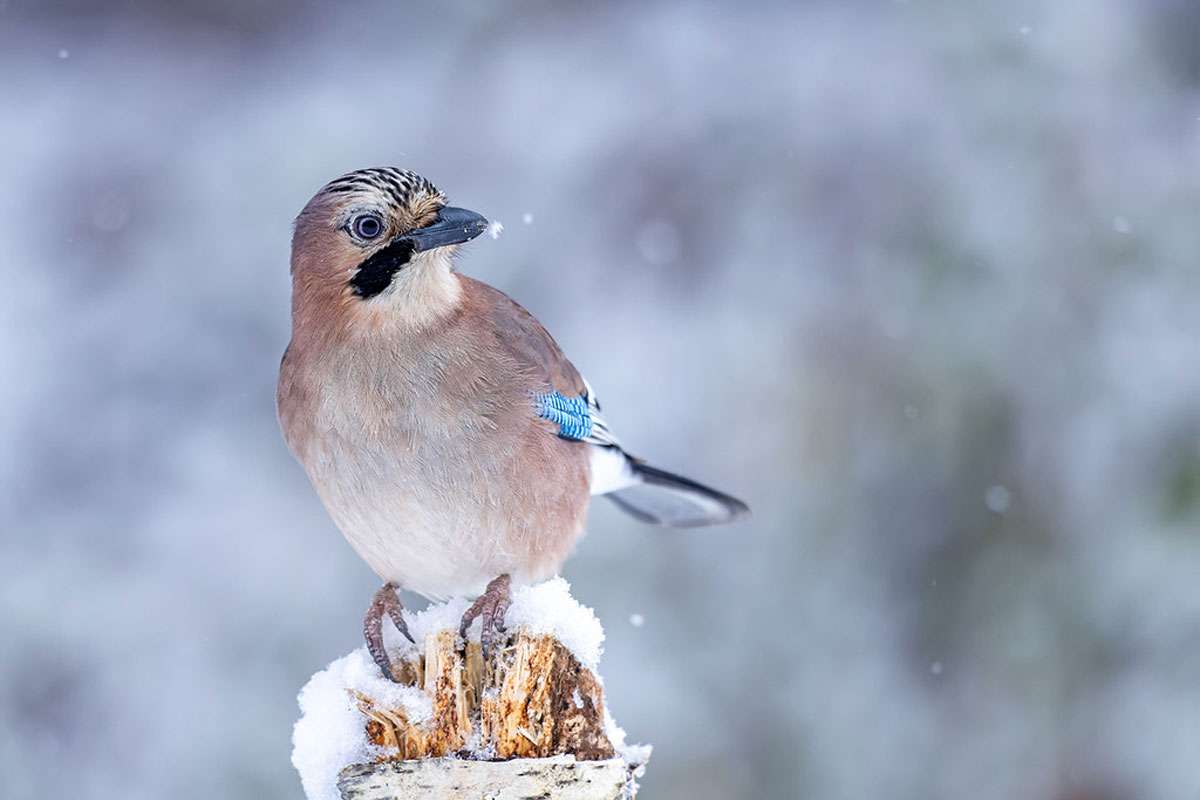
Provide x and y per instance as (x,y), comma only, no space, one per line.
(917,279)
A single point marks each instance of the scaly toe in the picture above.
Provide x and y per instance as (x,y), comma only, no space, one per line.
(384,602)
(492,605)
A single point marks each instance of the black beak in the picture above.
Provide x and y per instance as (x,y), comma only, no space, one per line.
(452,226)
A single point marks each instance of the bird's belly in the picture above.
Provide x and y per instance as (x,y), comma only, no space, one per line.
(423,546)
(445,523)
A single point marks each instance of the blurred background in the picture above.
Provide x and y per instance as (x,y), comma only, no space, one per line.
(917,279)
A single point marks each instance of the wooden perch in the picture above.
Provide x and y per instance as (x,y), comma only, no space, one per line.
(532,701)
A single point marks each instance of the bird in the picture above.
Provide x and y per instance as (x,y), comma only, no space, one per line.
(447,435)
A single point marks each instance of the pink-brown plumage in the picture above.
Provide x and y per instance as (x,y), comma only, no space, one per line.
(425,449)
(448,436)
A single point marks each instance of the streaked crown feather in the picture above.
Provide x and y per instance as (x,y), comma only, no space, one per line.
(399,185)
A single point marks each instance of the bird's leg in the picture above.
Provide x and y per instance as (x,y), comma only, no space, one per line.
(385,601)
(492,606)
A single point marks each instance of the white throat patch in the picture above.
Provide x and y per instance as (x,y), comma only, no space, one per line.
(421,293)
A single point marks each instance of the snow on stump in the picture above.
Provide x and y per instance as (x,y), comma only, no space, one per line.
(530,722)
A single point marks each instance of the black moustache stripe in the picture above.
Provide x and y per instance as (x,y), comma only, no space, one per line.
(376,273)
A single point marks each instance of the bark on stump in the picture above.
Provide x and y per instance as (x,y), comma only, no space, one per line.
(560,778)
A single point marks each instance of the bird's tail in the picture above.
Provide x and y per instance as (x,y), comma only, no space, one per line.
(663,498)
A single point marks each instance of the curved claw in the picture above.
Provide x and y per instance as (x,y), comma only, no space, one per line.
(384,601)
(492,605)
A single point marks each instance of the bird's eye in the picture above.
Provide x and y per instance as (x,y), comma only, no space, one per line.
(366,226)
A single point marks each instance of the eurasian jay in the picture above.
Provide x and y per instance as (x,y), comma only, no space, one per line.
(449,438)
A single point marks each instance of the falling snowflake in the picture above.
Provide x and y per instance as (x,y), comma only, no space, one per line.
(997,498)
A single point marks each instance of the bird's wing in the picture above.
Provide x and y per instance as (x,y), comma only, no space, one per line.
(560,395)
(524,341)
(558,392)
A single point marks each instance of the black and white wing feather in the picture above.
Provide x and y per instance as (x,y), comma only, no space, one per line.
(567,401)
(648,493)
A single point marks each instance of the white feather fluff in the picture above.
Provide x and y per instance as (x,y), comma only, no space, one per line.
(611,470)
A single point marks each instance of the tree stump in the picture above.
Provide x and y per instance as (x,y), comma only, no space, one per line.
(528,722)
(532,699)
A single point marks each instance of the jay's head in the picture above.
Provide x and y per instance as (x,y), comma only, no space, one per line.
(379,242)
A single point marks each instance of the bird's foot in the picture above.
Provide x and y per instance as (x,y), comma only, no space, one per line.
(385,601)
(492,606)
